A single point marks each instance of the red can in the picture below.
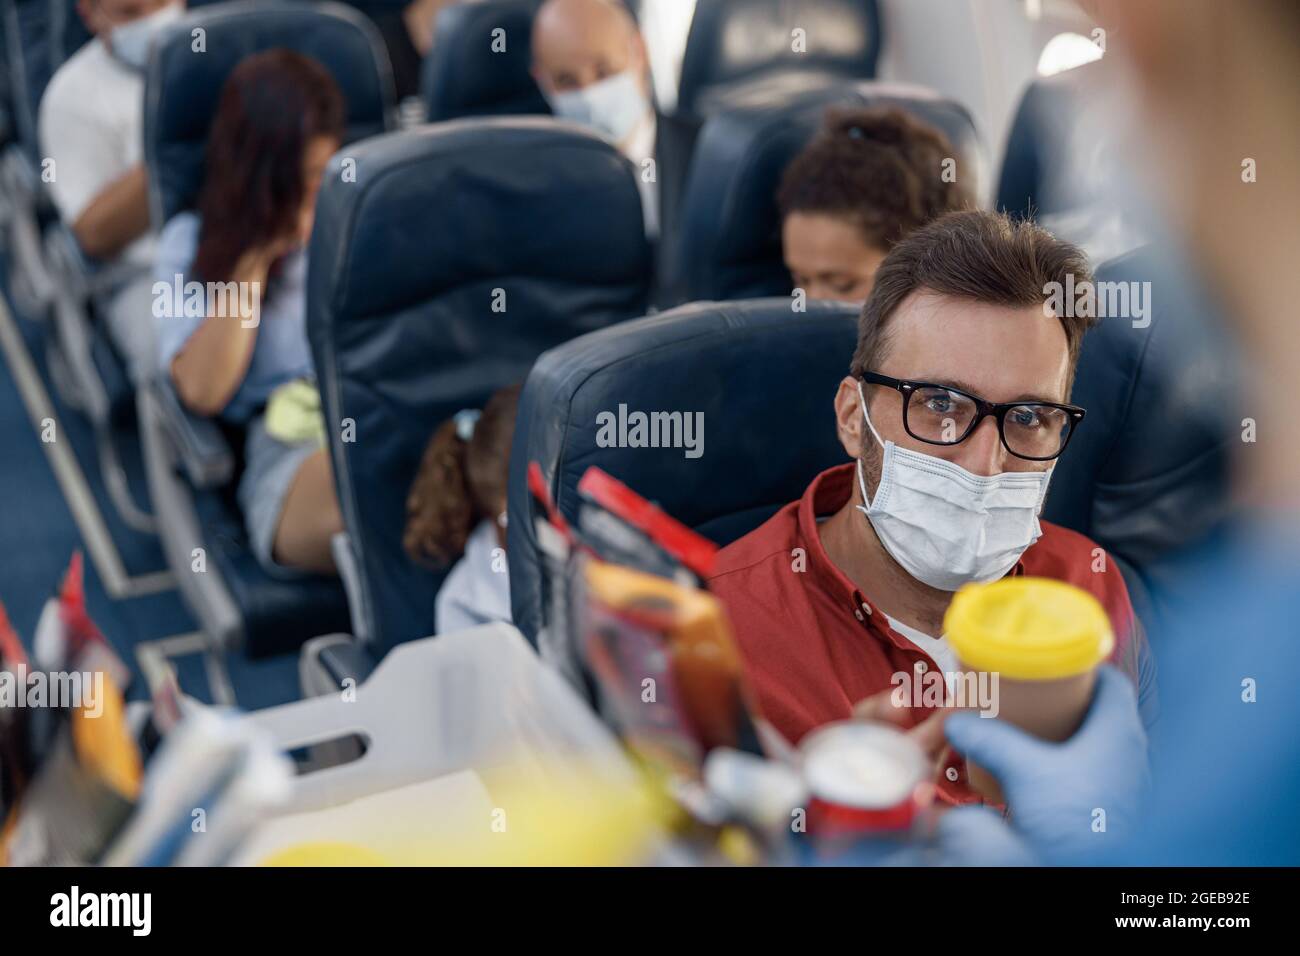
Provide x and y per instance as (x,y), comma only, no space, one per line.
(863,779)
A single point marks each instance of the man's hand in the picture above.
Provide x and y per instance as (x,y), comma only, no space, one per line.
(1070,801)
(928,734)
(116,217)
(964,836)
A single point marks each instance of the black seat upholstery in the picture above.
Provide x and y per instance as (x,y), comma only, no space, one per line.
(32,51)
(467,73)
(462,251)
(1145,477)
(1065,166)
(182,90)
(729,243)
(764,378)
(735,44)
(1034,179)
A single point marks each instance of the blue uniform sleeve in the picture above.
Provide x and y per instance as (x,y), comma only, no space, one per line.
(1148,691)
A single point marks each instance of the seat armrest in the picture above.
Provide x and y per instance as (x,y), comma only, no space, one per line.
(80,276)
(345,560)
(347,660)
(326,663)
(74,269)
(201,448)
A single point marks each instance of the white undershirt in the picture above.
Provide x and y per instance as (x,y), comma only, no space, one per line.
(937,647)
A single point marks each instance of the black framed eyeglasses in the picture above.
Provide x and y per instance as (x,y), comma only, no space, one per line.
(943,415)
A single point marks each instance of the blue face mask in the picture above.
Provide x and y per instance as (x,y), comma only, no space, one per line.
(130,42)
(612,106)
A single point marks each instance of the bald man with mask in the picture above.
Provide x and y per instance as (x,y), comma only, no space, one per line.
(589,60)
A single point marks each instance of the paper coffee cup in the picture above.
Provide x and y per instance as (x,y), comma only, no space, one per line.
(1044,640)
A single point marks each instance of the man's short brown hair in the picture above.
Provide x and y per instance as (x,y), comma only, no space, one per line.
(977,255)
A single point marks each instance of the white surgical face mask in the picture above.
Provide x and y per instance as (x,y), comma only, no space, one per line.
(613,106)
(947,526)
(130,42)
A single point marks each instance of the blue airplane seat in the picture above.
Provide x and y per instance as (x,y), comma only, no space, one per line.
(1065,166)
(184,85)
(479,64)
(729,242)
(192,463)
(764,378)
(37,36)
(462,251)
(1035,178)
(742,46)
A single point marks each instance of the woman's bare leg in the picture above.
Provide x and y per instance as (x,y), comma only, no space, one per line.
(310,518)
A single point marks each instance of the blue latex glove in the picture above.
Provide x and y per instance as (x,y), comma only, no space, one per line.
(978,836)
(1058,793)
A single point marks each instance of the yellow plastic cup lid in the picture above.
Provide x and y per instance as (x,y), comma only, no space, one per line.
(1028,628)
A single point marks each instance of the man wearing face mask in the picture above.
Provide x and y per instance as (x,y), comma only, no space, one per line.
(589,60)
(954,413)
(91,120)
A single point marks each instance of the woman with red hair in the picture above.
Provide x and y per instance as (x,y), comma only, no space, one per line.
(279,119)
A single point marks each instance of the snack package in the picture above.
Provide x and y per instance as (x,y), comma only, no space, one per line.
(666,665)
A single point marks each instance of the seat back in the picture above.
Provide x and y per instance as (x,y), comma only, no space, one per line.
(479,64)
(763,379)
(184,81)
(32,52)
(461,252)
(67,30)
(737,43)
(1065,166)
(729,242)
(1039,173)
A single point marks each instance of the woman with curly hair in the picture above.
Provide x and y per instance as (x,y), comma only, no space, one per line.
(868,178)
(456,511)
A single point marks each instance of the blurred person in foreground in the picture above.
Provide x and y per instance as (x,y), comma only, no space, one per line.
(1216,86)
(590,61)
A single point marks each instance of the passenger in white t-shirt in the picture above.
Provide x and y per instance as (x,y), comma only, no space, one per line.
(456,511)
(90,125)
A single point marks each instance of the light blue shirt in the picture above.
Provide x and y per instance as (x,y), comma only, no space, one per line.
(281,353)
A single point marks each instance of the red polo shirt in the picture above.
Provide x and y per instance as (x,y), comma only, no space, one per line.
(814,645)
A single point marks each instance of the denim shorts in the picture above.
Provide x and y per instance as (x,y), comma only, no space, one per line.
(270,466)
